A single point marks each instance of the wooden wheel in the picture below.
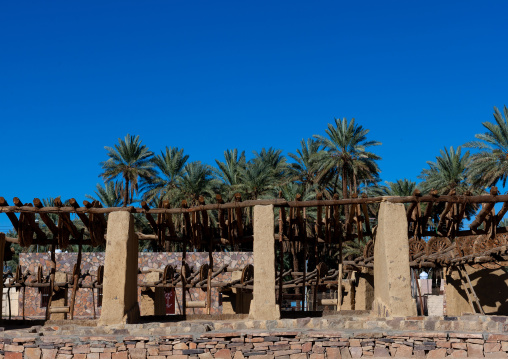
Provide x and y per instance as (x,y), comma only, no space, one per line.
(247,273)
(322,269)
(368,251)
(437,244)
(416,246)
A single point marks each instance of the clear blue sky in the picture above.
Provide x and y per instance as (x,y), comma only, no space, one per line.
(213,75)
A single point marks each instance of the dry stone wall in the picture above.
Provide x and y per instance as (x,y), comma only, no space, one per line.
(473,336)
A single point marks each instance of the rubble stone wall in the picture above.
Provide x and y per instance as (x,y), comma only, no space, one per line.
(147,260)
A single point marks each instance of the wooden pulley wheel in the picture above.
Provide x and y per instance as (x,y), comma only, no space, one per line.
(416,246)
(437,244)
(100,275)
(39,273)
(169,274)
(203,272)
(247,273)
(368,251)
(322,269)
(185,271)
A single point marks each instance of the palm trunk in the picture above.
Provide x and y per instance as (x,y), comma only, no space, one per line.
(126,193)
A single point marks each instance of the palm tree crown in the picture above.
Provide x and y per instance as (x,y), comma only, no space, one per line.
(129,159)
(448,172)
(347,153)
(491,163)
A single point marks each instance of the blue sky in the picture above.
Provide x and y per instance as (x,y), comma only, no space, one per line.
(207,76)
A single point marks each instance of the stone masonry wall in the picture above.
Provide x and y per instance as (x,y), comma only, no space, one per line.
(91,261)
(285,339)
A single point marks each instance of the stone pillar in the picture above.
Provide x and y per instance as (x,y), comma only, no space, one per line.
(2,250)
(263,306)
(392,276)
(120,291)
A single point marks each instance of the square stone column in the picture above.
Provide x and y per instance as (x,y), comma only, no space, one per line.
(120,291)
(392,275)
(263,305)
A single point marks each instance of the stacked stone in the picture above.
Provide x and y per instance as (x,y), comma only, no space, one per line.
(261,345)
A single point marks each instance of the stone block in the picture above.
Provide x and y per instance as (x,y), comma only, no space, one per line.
(105,355)
(345,353)
(356,352)
(119,355)
(332,353)
(491,347)
(88,356)
(33,353)
(459,354)
(238,355)
(404,351)
(137,353)
(51,353)
(317,356)
(13,355)
(223,354)
(13,348)
(496,355)
(474,350)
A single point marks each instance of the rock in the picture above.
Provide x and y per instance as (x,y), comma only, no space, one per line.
(437,353)
(474,350)
(223,354)
(404,351)
(381,352)
(32,353)
(491,347)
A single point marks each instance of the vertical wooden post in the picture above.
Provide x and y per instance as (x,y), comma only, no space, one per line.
(2,252)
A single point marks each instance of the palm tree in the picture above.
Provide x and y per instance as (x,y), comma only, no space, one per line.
(230,170)
(198,180)
(171,165)
(129,160)
(262,174)
(447,173)
(109,195)
(490,164)
(308,163)
(401,188)
(348,157)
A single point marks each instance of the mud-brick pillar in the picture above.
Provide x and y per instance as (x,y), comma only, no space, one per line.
(120,292)
(392,275)
(263,305)
(2,250)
